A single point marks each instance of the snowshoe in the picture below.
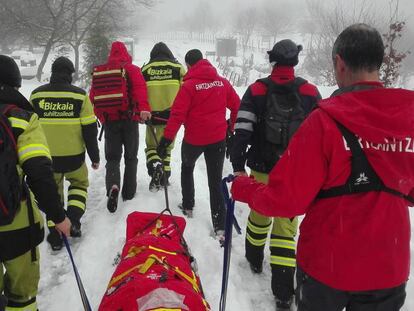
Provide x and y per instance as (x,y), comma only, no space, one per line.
(54,239)
(186,212)
(75,230)
(283,305)
(112,203)
(155,183)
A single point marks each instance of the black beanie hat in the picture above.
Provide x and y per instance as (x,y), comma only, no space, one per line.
(193,56)
(9,72)
(285,52)
(63,64)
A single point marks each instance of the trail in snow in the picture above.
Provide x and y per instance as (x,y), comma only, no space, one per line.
(104,233)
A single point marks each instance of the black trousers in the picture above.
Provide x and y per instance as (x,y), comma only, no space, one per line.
(312,295)
(214,157)
(120,134)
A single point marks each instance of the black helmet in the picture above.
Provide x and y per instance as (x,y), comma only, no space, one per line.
(9,72)
(285,52)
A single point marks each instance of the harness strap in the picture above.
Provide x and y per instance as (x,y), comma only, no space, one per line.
(363,177)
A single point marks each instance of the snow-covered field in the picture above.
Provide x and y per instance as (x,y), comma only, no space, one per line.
(104,233)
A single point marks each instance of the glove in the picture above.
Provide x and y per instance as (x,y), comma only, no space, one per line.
(242,188)
(162,147)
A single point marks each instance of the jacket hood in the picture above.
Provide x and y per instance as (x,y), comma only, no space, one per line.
(11,96)
(61,77)
(202,70)
(161,51)
(374,114)
(119,54)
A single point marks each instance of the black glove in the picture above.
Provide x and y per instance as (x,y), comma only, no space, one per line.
(162,147)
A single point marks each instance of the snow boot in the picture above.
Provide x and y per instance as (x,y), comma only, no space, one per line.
(155,183)
(186,211)
(256,269)
(54,239)
(112,203)
(283,305)
(75,229)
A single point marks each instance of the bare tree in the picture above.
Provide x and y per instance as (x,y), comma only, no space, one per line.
(45,20)
(245,24)
(330,21)
(51,22)
(85,14)
(393,58)
(273,19)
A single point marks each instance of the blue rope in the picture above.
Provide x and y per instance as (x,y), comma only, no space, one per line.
(228,200)
(230,221)
(84,298)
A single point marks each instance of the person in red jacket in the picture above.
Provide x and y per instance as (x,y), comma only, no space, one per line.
(201,106)
(350,169)
(121,130)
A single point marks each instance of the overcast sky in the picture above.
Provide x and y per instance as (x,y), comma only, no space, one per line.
(168,11)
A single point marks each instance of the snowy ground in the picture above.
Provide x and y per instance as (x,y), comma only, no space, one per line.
(104,234)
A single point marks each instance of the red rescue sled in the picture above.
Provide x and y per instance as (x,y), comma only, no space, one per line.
(156,270)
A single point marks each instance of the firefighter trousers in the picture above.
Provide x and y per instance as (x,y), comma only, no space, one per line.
(151,149)
(122,134)
(19,279)
(77,192)
(282,247)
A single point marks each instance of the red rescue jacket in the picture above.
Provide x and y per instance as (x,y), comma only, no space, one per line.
(201,106)
(352,242)
(138,88)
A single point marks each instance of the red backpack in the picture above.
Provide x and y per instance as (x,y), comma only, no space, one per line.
(110,92)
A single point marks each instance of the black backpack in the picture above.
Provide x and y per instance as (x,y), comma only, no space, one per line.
(10,186)
(280,119)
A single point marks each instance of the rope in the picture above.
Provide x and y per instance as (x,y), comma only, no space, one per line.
(84,298)
(230,221)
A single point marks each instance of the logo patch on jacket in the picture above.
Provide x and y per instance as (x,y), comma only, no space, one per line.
(51,109)
(209,85)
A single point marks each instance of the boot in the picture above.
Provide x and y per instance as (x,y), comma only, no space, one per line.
(255,268)
(75,229)
(112,203)
(283,305)
(155,183)
(220,236)
(54,239)
(186,211)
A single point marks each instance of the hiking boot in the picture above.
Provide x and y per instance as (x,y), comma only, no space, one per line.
(155,183)
(186,211)
(256,269)
(75,230)
(54,239)
(283,305)
(165,182)
(112,203)
(220,236)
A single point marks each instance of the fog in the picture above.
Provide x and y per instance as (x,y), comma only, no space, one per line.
(83,27)
(166,13)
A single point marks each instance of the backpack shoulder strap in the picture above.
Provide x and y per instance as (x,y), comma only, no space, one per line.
(298,82)
(266,81)
(363,177)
